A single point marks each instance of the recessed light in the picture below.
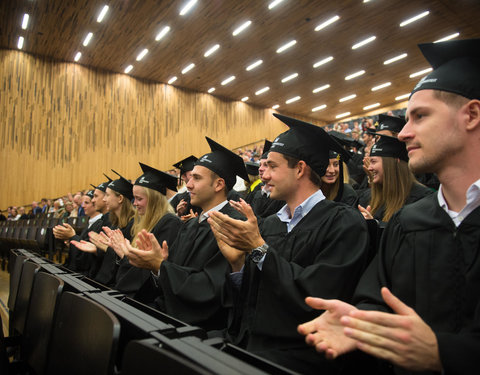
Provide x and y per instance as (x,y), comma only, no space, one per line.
(371,106)
(275,106)
(25,21)
(187,7)
(290,77)
(286,46)
(128,69)
(20,42)
(211,89)
(321,88)
(383,85)
(420,73)
(363,42)
(261,91)
(327,22)
(102,14)
(401,97)
(273,4)
(87,39)
(448,37)
(78,55)
(342,115)
(162,33)
(347,98)
(323,61)
(320,107)
(242,27)
(415,18)
(254,65)
(188,68)
(171,80)
(211,50)
(354,75)
(228,80)
(396,58)
(142,54)
(291,100)
(245,98)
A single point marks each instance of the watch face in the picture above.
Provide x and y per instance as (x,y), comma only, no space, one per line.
(256,255)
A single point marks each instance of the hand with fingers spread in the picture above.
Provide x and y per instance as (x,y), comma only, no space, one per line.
(191,215)
(100,240)
(366,212)
(402,338)
(148,254)
(241,235)
(85,246)
(325,332)
(63,231)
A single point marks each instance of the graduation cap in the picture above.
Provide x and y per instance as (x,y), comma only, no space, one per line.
(389,147)
(456,65)
(103,185)
(252,168)
(90,193)
(122,186)
(266,148)
(157,180)
(186,165)
(223,162)
(392,123)
(306,142)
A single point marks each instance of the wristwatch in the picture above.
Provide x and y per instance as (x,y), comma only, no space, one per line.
(258,253)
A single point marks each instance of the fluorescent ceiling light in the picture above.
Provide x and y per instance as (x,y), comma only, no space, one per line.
(413,19)
(448,37)
(371,106)
(78,55)
(401,97)
(342,115)
(324,61)
(228,80)
(162,33)
(383,85)
(254,65)
(87,39)
(25,21)
(128,69)
(363,42)
(294,99)
(396,58)
(321,88)
(211,50)
(288,78)
(261,91)
(327,22)
(242,27)
(188,68)
(354,75)
(245,98)
(274,3)
(286,46)
(142,54)
(20,42)
(211,89)
(420,73)
(102,13)
(320,107)
(171,80)
(187,7)
(275,106)
(347,98)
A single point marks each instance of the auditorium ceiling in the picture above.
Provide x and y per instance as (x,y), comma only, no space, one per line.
(307,77)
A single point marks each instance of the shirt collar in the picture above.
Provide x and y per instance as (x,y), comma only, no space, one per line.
(303,209)
(218,207)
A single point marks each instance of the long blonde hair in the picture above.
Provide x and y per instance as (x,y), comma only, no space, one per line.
(395,189)
(157,207)
(126,212)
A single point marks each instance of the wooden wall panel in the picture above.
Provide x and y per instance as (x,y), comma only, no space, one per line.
(62,125)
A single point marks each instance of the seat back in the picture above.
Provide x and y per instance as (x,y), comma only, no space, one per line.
(84,338)
(16,265)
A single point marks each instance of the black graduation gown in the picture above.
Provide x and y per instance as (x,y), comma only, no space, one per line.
(192,278)
(349,196)
(250,195)
(324,256)
(110,262)
(433,267)
(263,206)
(130,279)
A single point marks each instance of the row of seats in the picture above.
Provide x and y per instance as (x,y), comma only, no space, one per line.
(64,323)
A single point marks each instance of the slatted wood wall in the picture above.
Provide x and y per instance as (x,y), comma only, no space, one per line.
(62,125)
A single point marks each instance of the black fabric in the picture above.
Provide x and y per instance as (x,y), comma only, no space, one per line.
(433,267)
(157,180)
(193,276)
(186,197)
(250,196)
(349,196)
(263,206)
(319,257)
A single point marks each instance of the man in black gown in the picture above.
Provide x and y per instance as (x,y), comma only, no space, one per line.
(424,286)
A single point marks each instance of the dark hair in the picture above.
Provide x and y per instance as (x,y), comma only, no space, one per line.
(313,176)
